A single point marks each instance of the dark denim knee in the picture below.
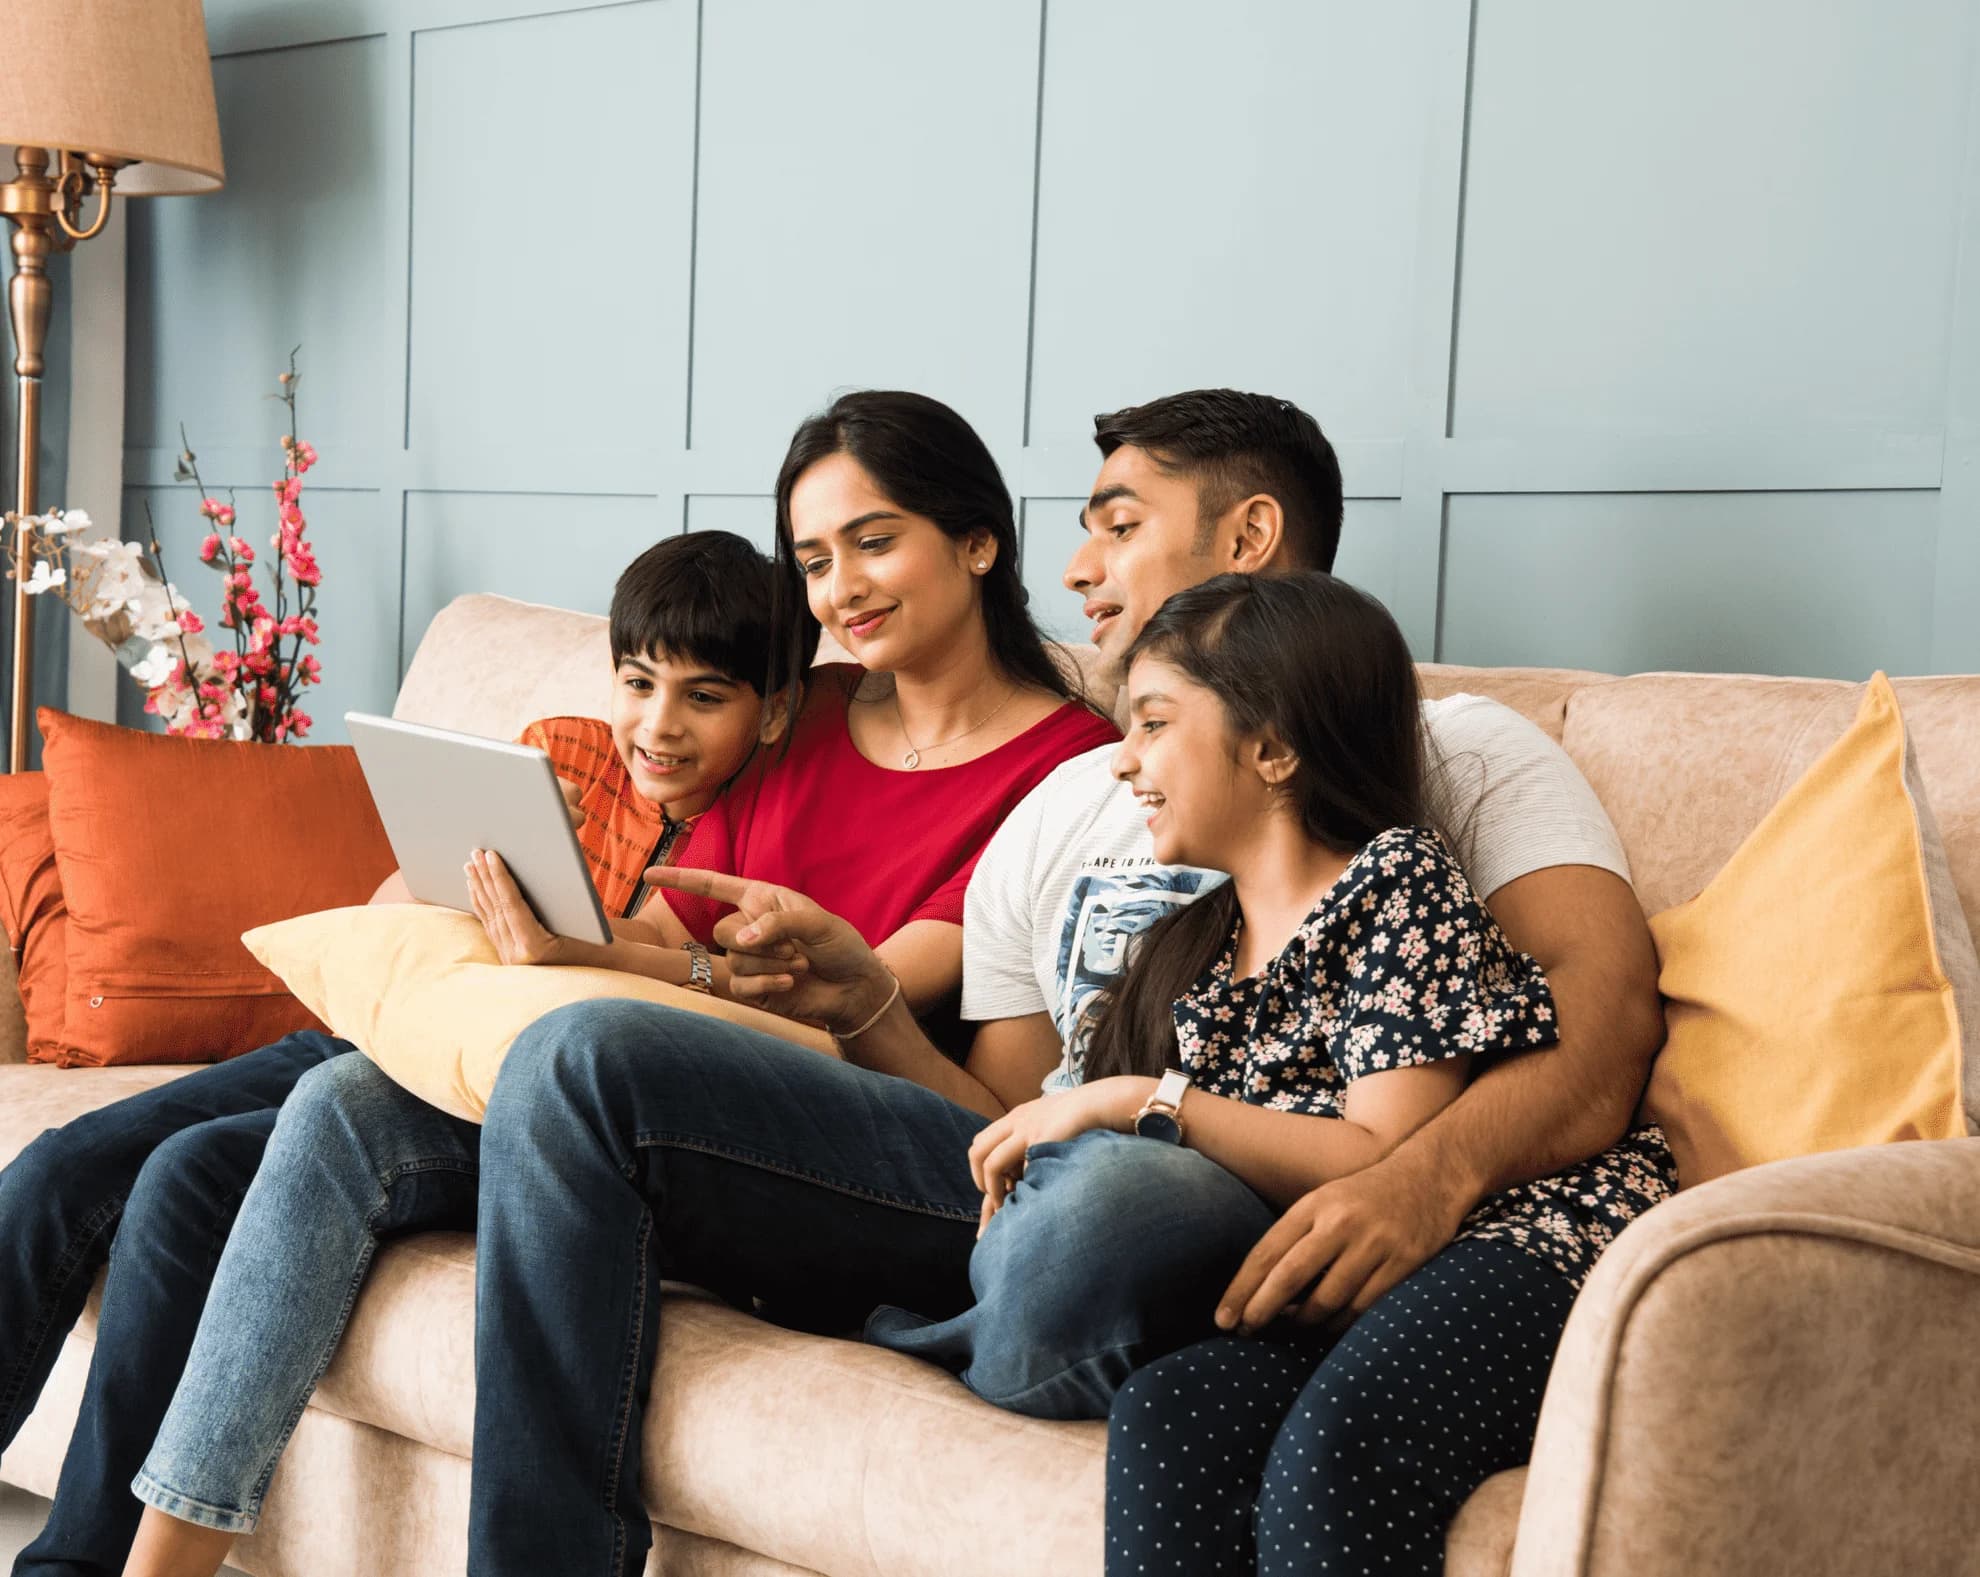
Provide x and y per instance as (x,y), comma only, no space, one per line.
(578,1059)
(186,1196)
(54,1177)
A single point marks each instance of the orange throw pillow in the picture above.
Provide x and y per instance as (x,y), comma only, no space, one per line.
(168,850)
(31,906)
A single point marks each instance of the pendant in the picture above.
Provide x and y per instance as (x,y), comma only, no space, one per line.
(911,760)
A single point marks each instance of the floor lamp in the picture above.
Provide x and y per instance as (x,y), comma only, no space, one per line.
(95,96)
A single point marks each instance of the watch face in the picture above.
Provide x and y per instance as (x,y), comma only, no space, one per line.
(1159,1125)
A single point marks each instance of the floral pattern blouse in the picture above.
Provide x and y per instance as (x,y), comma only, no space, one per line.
(1397,966)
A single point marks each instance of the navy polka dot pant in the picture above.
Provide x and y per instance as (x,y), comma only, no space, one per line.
(1242,1455)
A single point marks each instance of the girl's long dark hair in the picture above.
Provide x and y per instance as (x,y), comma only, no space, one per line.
(930,462)
(1322,666)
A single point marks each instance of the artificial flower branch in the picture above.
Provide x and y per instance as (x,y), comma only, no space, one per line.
(125,599)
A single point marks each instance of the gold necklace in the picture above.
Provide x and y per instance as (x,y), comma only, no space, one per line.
(913,757)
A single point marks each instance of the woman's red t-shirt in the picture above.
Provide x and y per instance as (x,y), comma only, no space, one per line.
(877,847)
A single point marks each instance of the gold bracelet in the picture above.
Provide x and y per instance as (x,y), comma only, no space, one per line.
(854,1034)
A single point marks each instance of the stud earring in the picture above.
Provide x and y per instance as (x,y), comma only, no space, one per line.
(981,565)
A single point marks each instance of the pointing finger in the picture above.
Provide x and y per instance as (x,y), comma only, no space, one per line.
(719,885)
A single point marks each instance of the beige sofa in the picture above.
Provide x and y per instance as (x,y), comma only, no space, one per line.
(1772,1373)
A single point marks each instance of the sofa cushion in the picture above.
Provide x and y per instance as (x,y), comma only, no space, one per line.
(420,991)
(876,1458)
(1822,992)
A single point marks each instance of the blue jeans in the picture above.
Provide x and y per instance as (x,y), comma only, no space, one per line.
(625,1143)
(151,1184)
(354,1158)
(1110,1253)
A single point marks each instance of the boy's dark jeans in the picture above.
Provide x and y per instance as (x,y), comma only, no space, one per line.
(152,1184)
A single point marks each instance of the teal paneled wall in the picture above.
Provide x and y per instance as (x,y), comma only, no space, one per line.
(1650,336)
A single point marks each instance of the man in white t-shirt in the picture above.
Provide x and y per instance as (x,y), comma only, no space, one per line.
(1212,482)
(627,1135)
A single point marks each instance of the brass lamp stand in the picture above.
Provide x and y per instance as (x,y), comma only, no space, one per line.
(88,88)
(44,213)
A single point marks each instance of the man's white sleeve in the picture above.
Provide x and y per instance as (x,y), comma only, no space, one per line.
(1512,800)
(998,978)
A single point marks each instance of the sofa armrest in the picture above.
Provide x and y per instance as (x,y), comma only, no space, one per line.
(13,1017)
(1773,1372)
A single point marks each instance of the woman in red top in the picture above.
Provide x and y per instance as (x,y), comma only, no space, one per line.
(895,533)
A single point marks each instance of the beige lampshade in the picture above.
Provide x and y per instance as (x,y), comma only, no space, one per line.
(126,78)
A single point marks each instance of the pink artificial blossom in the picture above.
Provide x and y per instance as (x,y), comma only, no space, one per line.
(249,689)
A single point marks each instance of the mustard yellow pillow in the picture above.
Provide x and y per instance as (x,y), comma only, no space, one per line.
(419,991)
(1823,990)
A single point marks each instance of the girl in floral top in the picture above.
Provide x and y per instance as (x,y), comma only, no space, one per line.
(1322,1004)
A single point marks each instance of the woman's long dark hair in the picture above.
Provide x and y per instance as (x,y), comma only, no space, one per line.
(1322,666)
(929,462)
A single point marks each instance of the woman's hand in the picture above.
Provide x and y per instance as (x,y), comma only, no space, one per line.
(998,1154)
(786,953)
(519,937)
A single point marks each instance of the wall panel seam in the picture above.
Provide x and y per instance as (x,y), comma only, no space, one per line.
(1037,185)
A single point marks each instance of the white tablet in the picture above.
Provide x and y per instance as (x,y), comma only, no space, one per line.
(443,795)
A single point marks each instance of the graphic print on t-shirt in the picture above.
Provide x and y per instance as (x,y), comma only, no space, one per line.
(1111,903)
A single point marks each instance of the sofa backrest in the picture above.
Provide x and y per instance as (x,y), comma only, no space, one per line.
(1686,764)
(492,665)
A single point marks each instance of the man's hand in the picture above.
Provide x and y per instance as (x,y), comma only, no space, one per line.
(786,953)
(1356,1236)
(519,937)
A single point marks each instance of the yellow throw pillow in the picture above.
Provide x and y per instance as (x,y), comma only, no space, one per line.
(1822,991)
(419,991)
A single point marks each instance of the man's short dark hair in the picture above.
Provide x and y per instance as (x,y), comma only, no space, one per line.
(702,598)
(1232,445)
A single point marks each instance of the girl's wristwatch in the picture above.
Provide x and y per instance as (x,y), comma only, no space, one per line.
(1161,1118)
(701,972)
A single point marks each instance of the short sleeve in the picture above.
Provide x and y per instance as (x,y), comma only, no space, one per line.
(579,748)
(1425,972)
(1511,800)
(945,903)
(999,978)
